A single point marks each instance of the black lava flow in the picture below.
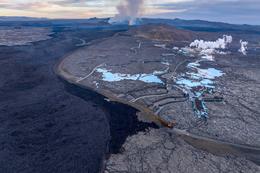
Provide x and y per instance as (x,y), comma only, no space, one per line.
(50,126)
(123,121)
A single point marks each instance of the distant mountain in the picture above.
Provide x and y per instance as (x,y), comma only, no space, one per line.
(20,18)
(194,25)
(200,25)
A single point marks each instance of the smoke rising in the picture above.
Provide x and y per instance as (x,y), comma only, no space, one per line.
(243,48)
(220,43)
(209,48)
(128,11)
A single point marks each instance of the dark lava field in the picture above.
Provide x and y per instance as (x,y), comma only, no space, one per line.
(51,126)
(48,125)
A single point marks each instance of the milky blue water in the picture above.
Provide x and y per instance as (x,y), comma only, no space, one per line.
(203,77)
(193,65)
(108,76)
(189,84)
(210,73)
(197,81)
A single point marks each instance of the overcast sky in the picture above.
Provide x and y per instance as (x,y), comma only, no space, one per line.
(232,11)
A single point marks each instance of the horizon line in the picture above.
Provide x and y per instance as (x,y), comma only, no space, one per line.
(145,17)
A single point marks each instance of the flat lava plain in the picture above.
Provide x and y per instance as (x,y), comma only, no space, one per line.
(210,94)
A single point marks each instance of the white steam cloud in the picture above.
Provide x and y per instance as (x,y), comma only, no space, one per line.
(208,48)
(128,11)
(220,43)
(243,48)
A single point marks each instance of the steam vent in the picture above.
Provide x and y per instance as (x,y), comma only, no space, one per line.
(186,82)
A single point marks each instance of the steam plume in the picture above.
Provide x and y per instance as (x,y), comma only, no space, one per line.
(220,43)
(243,48)
(209,48)
(128,11)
